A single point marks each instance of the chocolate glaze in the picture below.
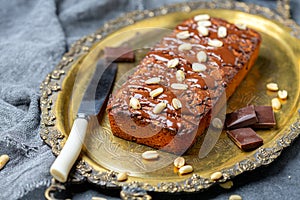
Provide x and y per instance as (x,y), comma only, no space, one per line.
(204,88)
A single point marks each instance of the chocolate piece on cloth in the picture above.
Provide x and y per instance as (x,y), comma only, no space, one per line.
(265,116)
(241,118)
(119,54)
(245,138)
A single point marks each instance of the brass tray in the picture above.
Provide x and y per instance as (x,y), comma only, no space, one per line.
(104,155)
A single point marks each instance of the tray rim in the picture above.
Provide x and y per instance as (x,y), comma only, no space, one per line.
(83,171)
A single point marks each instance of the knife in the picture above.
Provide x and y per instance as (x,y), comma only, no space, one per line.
(92,102)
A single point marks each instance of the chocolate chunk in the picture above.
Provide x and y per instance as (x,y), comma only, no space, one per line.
(265,116)
(119,54)
(245,138)
(241,118)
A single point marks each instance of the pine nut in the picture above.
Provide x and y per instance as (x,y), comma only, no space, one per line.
(98,198)
(123,176)
(185,169)
(201,17)
(241,26)
(217,123)
(183,35)
(185,47)
(154,80)
(150,155)
(203,30)
(222,32)
(180,75)
(135,103)
(156,92)
(204,23)
(215,43)
(179,162)
(216,176)
(276,105)
(176,104)
(226,185)
(3,160)
(235,197)
(272,87)
(198,67)
(159,108)
(179,86)
(282,94)
(201,56)
(173,63)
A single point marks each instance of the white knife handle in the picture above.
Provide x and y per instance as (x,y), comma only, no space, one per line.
(62,165)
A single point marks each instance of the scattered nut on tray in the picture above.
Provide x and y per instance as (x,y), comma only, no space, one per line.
(217,123)
(150,155)
(179,162)
(186,169)
(123,176)
(272,87)
(226,185)
(282,94)
(276,104)
(216,176)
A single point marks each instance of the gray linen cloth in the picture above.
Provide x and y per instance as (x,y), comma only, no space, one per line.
(34,34)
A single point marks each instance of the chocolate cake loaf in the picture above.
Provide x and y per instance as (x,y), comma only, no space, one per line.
(167,102)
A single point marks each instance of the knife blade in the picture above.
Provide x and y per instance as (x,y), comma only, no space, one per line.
(92,102)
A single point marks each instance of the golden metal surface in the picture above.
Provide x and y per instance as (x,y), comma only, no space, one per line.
(105,155)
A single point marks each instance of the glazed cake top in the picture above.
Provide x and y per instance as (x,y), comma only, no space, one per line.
(193,65)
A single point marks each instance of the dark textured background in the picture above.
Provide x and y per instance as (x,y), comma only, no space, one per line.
(34,34)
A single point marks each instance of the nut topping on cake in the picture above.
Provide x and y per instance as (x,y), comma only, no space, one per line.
(154,80)
(159,107)
(203,30)
(204,23)
(201,56)
(215,43)
(198,67)
(134,103)
(173,63)
(183,35)
(222,32)
(201,17)
(156,92)
(176,103)
(241,26)
(180,75)
(185,47)
(179,86)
